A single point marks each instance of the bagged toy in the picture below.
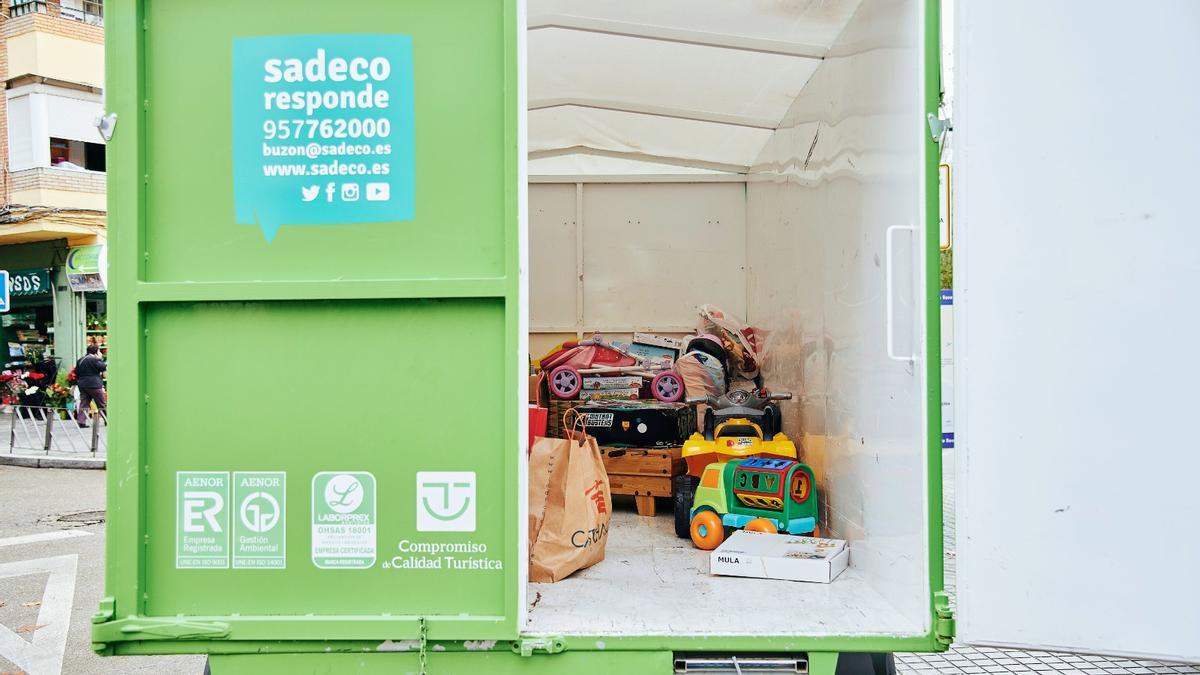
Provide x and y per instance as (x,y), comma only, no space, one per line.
(743,344)
(703,375)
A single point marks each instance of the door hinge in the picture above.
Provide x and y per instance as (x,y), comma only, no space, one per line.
(939,126)
(531,646)
(132,628)
(944,619)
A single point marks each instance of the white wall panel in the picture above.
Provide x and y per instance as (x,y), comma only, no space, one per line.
(845,166)
(552,276)
(654,252)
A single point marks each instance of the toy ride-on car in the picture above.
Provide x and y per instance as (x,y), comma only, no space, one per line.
(738,425)
(570,361)
(760,494)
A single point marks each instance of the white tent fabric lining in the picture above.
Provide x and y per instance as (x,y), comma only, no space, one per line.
(656,136)
(817,22)
(578,164)
(626,83)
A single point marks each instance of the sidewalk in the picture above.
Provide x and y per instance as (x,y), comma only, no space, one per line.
(23,442)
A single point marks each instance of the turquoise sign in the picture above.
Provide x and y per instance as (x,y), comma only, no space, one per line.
(323,130)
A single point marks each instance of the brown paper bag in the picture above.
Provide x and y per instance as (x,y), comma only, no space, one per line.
(570,504)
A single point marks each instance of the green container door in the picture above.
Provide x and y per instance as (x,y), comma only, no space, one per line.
(314,318)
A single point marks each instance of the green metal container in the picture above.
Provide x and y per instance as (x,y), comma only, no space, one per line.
(311,381)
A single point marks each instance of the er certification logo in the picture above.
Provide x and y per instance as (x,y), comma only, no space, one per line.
(201,519)
(323,130)
(446,501)
(343,520)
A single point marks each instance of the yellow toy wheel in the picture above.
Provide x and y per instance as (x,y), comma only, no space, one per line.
(761,525)
(707,530)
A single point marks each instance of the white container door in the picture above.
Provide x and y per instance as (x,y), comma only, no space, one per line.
(1077,172)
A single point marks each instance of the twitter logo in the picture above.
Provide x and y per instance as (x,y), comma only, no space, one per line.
(310,192)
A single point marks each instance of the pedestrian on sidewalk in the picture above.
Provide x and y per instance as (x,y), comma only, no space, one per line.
(88,376)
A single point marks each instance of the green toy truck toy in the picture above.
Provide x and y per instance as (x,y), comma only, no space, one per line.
(761,494)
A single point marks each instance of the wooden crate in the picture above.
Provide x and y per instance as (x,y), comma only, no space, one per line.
(645,473)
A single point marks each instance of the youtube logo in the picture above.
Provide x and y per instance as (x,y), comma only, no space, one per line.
(379,192)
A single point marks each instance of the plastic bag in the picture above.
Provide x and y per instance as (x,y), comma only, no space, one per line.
(744,344)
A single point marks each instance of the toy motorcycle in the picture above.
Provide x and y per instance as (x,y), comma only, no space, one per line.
(738,425)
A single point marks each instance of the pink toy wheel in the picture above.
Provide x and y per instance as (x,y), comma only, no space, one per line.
(565,382)
(667,386)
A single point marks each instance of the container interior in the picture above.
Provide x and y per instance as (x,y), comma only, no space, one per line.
(765,158)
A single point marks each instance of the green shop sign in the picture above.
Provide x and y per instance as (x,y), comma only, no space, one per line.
(26,283)
(87,268)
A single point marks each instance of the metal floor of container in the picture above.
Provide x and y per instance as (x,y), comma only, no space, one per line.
(654,583)
(572,605)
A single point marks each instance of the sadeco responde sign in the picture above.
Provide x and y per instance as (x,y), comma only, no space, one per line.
(323,130)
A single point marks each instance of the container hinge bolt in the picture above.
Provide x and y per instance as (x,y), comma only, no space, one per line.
(107,610)
(423,636)
(106,124)
(531,646)
(944,626)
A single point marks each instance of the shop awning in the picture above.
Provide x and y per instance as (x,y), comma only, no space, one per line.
(668,86)
(24,224)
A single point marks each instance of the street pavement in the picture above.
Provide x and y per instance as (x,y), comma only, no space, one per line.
(52,579)
(49,588)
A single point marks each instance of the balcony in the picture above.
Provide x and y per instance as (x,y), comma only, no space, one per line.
(59,188)
(90,12)
(49,203)
(49,41)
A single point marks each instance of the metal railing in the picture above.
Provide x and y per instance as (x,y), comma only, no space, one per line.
(92,13)
(89,11)
(22,7)
(56,430)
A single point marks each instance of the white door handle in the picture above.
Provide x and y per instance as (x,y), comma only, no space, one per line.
(891,310)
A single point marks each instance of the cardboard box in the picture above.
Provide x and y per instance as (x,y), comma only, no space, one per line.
(593,383)
(658,341)
(780,556)
(539,390)
(665,350)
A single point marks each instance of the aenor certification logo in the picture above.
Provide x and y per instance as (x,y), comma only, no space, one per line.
(319,122)
(201,519)
(260,524)
(343,520)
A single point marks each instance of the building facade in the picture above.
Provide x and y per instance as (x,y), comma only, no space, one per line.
(53,221)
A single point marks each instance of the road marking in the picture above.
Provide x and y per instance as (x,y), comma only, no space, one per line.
(44,536)
(43,653)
